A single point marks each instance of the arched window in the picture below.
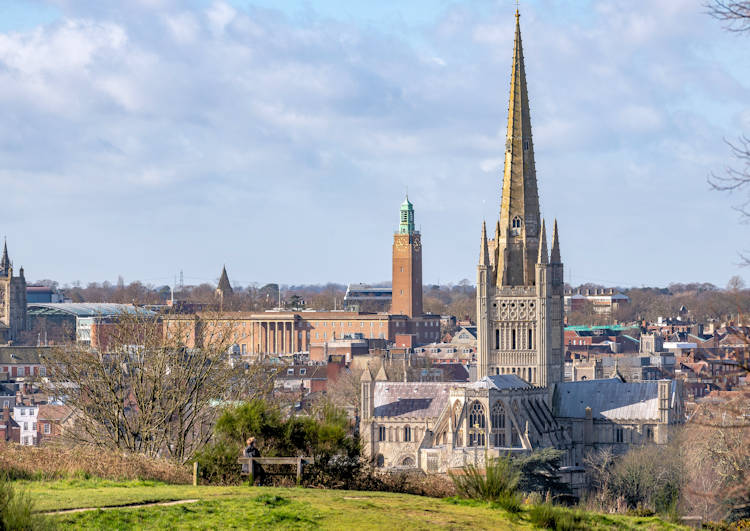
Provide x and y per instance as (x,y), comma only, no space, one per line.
(407,433)
(497,338)
(516,223)
(407,461)
(477,424)
(379,460)
(498,425)
(476,415)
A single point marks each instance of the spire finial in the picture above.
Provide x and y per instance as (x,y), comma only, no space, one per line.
(543,258)
(555,255)
(484,253)
(517,6)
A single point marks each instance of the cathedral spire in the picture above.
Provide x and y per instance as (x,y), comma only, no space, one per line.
(543,256)
(519,205)
(555,257)
(484,252)
(5,261)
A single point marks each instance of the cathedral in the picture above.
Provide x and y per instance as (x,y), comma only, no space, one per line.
(12,300)
(519,401)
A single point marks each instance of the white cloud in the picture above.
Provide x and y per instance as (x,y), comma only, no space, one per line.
(247,137)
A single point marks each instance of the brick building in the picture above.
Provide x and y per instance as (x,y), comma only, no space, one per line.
(287,332)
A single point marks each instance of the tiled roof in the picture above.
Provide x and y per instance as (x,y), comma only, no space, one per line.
(53,412)
(611,399)
(410,399)
(20,355)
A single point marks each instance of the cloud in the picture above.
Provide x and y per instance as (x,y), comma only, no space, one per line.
(277,144)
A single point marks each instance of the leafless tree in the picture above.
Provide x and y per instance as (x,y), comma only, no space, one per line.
(736,18)
(145,391)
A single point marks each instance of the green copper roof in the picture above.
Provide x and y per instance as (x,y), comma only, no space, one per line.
(406,205)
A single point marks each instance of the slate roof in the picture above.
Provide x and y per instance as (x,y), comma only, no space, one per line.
(411,399)
(21,355)
(500,381)
(610,398)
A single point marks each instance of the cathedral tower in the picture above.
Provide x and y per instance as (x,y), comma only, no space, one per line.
(12,299)
(520,286)
(407,265)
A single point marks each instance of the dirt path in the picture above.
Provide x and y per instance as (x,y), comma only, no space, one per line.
(131,506)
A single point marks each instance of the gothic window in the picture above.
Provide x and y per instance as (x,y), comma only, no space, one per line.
(497,338)
(498,425)
(525,145)
(513,339)
(516,223)
(531,339)
(477,424)
(379,460)
(381,433)
(407,461)
(407,434)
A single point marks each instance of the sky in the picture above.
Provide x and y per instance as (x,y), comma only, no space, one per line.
(144,138)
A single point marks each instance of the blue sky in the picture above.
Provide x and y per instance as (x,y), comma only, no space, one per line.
(146,137)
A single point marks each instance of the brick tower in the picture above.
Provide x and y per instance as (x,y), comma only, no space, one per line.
(407,265)
(12,300)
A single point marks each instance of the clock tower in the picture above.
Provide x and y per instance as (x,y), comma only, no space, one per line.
(407,265)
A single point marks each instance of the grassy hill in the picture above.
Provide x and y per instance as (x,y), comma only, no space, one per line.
(274,508)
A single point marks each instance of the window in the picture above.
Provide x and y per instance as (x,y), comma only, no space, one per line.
(303,371)
(6,404)
(531,338)
(525,145)
(498,425)
(47,428)
(618,435)
(497,338)
(290,371)
(407,433)
(20,371)
(33,426)
(516,223)
(380,460)
(649,433)
(477,424)
(42,371)
(381,435)
(513,339)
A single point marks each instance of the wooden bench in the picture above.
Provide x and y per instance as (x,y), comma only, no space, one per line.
(252,461)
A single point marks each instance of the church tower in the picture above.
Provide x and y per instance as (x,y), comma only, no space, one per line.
(519,285)
(12,299)
(407,265)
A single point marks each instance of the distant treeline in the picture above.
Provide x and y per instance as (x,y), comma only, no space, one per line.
(704,301)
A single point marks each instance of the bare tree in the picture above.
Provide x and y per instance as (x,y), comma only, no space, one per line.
(736,18)
(734,14)
(145,391)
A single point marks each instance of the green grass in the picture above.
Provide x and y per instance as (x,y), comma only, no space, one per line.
(279,508)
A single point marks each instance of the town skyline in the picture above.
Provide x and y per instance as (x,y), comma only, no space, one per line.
(357,105)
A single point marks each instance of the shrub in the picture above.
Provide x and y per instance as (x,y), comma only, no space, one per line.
(497,482)
(549,516)
(56,462)
(17,510)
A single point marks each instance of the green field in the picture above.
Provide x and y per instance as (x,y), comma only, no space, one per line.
(275,508)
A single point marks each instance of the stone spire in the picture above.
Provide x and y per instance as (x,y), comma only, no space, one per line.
(484,252)
(5,261)
(543,256)
(224,288)
(519,206)
(555,257)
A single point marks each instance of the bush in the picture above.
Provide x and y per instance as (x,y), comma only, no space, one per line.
(57,462)
(549,516)
(497,482)
(17,510)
